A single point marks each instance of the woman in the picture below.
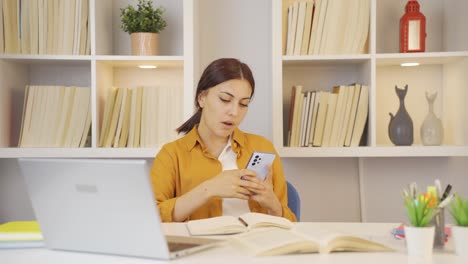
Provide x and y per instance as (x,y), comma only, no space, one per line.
(201,175)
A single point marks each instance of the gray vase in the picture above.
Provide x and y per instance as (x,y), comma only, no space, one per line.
(400,128)
(431,130)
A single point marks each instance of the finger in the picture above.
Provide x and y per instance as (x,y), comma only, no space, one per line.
(252,183)
(269,177)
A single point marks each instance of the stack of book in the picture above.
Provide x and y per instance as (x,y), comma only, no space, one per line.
(140,117)
(316,27)
(55,116)
(44,27)
(328,119)
(20,234)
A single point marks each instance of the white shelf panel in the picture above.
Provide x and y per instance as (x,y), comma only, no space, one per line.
(47,59)
(131,61)
(324,60)
(78,152)
(423,58)
(410,151)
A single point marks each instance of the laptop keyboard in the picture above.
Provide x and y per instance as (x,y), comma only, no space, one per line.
(177,246)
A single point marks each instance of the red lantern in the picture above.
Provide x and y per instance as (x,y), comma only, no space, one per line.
(412,29)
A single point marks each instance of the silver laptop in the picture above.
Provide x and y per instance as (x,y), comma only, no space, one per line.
(103,206)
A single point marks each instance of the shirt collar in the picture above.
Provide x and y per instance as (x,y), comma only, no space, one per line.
(192,138)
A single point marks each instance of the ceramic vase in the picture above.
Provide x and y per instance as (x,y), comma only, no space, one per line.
(400,128)
(419,241)
(460,240)
(432,131)
(144,44)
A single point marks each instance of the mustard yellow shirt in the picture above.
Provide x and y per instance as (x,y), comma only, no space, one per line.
(183,164)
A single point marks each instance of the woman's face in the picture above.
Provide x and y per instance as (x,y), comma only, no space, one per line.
(224,106)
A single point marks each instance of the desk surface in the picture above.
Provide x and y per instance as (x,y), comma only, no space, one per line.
(228,254)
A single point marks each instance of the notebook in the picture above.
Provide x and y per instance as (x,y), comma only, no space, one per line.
(101,206)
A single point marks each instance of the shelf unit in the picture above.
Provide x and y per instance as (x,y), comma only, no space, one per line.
(442,69)
(109,64)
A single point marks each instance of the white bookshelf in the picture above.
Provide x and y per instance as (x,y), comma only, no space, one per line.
(442,69)
(109,64)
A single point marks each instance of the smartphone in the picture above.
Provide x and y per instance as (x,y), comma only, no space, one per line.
(259,162)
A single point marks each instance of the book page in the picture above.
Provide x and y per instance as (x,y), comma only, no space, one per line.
(274,241)
(331,241)
(216,226)
(254,220)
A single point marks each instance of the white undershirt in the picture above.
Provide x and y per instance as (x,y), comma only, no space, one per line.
(232,206)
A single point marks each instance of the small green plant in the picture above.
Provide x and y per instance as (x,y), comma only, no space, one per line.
(143,19)
(420,207)
(459,210)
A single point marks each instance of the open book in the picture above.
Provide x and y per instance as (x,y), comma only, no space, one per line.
(223,225)
(269,242)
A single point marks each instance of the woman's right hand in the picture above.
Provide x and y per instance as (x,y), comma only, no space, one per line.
(229,184)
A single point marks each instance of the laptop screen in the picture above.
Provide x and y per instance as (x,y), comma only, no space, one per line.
(96,205)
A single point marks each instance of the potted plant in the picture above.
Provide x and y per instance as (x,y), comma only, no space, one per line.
(459,212)
(143,24)
(420,209)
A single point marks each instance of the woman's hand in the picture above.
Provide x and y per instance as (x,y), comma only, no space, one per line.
(266,197)
(230,184)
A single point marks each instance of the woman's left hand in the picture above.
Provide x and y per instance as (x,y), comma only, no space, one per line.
(267,197)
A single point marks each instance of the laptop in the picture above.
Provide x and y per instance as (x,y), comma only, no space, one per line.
(101,206)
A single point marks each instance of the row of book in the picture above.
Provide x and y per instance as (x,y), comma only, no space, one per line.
(140,117)
(315,27)
(44,27)
(55,116)
(328,119)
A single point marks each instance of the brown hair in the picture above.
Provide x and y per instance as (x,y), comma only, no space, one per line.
(217,72)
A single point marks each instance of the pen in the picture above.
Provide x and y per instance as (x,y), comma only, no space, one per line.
(446,192)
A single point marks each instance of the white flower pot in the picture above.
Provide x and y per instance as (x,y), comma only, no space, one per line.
(460,240)
(419,241)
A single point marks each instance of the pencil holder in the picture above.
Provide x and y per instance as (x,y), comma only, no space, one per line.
(439,223)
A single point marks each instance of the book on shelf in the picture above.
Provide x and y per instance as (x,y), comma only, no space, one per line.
(301,14)
(331,109)
(294,18)
(20,234)
(108,111)
(2,38)
(321,118)
(271,242)
(307,27)
(11,26)
(286,23)
(317,35)
(304,113)
(310,118)
(291,114)
(114,118)
(361,116)
(352,115)
(346,113)
(137,128)
(313,120)
(223,225)
(339,114)
(297,89)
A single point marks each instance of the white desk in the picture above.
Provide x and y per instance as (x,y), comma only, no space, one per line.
(227,254)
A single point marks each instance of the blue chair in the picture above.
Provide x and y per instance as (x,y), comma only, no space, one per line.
(294,201)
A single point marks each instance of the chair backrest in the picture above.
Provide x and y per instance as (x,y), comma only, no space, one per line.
(294,201)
